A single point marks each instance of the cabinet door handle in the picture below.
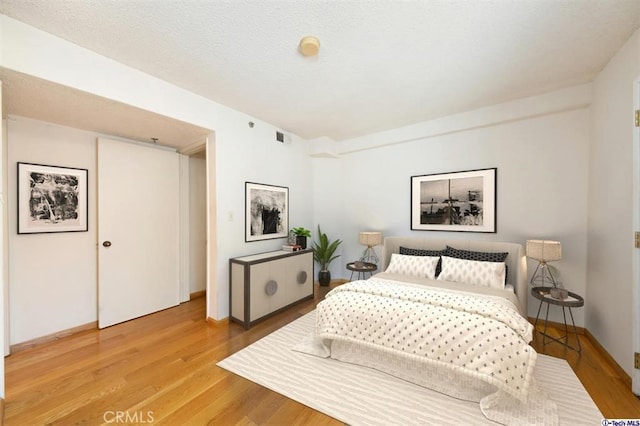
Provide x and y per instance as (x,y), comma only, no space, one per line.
(106,244)
(302,277)
(271,288)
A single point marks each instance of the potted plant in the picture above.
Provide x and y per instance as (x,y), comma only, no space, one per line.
(323,253)
(301,234)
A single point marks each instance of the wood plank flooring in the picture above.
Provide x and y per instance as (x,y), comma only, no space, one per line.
(160,369)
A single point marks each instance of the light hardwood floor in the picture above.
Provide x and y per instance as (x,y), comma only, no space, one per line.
(160,369)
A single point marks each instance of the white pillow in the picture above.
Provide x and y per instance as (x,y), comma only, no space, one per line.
(485,274)
(416,266)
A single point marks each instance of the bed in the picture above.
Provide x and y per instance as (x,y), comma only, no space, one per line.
(515,262)
(449,315)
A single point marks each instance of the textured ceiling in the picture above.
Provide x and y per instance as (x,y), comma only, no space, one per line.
(382,64)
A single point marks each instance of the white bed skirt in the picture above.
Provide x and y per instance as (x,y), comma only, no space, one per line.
(497,406)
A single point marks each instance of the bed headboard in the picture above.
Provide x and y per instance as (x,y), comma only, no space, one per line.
(516,260)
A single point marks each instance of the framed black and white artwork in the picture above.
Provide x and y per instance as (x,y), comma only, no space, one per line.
(266,211)
(51,199)
(458,201)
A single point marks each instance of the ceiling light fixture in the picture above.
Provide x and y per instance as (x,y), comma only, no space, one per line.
(309,46)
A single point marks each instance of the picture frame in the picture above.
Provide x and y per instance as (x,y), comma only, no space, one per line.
(462,201)
(266,211)
(52,199)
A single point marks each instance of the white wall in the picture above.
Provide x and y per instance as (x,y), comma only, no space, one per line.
(4,291)
(611,222)
(240,152)
(252,154)
(329,204)
(197,224)
(52,277)
(542,169)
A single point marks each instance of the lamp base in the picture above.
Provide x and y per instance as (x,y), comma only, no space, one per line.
(369,256)
(542,275)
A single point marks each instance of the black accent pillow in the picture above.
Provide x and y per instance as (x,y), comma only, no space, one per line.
(481,256)
(423,252)
(475,255)
(420,252)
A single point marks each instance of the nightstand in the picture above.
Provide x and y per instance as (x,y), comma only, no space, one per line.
(361,269)
(572,301)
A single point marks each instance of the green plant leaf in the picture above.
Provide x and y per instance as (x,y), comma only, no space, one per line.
(301,232)
(323,250)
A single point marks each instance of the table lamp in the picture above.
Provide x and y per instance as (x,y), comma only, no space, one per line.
(543,251)
(370,239)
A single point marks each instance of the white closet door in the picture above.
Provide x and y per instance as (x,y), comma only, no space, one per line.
(138,223)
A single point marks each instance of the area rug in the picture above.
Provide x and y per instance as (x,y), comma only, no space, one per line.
(361,396)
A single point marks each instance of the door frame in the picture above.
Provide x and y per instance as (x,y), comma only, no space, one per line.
(635,379)
(184,251)
(196,147)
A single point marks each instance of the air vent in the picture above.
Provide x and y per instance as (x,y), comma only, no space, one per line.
(280,137)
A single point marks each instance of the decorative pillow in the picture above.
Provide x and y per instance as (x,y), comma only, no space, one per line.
(416,266)
(475,255)
(423,252)
(478,255)
(485,274)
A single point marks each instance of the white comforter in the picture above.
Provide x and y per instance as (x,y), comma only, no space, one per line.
(477,341)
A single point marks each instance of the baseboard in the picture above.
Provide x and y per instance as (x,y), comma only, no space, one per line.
(79,329)
(332,283)
(558,325)
(52,337)
(626,379)
(197,294)
(218,323)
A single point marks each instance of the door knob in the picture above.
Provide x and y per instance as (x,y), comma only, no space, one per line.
(107,244)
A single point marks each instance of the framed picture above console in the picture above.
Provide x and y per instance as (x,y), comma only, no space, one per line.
(457,201)
(266,211)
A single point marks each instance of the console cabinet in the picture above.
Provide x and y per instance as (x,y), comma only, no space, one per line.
(265,283)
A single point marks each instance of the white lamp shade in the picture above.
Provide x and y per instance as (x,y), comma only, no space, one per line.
(370,239)
(544,250)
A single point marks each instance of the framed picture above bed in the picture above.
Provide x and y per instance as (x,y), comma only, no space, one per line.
(458,201)
(51,199)
(266,212)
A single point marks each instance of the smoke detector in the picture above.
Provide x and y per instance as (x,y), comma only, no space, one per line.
(309,46)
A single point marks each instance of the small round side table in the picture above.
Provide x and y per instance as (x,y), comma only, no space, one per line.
(572,301)
(361,270)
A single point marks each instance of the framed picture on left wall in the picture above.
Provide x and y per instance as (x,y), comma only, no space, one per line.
(52,199)
(266,211)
